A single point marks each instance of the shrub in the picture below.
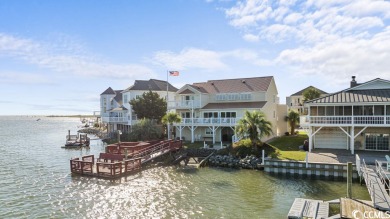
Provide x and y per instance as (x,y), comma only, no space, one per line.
(287,133)
(244,148)
(296,132)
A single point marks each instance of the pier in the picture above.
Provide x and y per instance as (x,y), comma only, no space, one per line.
(122,159)
(377,182)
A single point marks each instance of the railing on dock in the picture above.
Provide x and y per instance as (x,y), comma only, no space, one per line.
(116,164)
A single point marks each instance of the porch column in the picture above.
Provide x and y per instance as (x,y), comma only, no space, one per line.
(310,139)
(180,131)
(352,140)
(192,133)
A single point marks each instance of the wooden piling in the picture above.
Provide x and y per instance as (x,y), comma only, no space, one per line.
(349,180)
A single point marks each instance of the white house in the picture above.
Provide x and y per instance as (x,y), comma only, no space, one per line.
(116,110)
(357,118)
(210,110)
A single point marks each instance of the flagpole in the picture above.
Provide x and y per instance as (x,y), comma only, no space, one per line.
(167,105)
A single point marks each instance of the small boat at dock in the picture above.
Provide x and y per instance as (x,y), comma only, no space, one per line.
(77,141)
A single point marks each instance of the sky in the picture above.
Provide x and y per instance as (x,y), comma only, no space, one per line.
(57,57)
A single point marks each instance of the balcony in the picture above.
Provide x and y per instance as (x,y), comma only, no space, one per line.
(187,104)
(209,121)
(345,120)
(115,119)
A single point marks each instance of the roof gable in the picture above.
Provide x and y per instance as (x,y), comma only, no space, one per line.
(372,85)
(238,85)
(152,84)
(108,91)
(300,93)
(186,91)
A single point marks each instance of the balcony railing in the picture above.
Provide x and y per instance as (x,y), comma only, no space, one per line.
(115,119)
(342,120)
(184,104)
(209,121)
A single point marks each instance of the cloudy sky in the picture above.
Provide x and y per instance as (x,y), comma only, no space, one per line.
(57,57)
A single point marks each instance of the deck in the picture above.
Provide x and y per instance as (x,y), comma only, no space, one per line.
(308,208)
(377,182)
(115,165)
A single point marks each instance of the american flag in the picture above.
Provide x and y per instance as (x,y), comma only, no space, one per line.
(173,73)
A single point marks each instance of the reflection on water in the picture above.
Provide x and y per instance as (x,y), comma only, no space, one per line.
(35,182)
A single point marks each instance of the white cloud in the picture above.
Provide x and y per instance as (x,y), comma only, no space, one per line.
(335,39)
(251,37)
(65,59)
(24,78)
(190,58)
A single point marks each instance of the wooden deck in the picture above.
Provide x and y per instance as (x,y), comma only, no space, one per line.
(376,182)
(110,165)
(308,208)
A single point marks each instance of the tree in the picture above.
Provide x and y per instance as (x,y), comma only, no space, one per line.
(150,106)
(169,119)
(254,126)
(144,130)
(310,94)
(292,119)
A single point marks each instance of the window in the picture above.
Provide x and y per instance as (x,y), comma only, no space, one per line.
(377,142)
(338,110)
(330,110)
(210,115)
(321,111)
(313,111)
(368,110)
(347,110)
(209,131)
(125,98)
(186,115)
(228,114)
(138,96)
(358,110)
(379,110)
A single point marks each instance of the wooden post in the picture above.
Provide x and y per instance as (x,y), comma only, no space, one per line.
(349,180)
(262,157)
(68,135)
(307,159)
(126,154)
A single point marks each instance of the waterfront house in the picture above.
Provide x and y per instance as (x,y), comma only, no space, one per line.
(357,118)
(116,111)
(210,110)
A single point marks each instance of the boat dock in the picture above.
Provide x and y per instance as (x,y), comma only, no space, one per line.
(122,159)
(308,208)
(377,182)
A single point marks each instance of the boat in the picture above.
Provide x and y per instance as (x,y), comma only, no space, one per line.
(77,141)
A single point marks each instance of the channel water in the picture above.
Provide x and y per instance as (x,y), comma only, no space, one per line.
(35,182)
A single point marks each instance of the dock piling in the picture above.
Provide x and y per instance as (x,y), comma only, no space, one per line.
(349,180)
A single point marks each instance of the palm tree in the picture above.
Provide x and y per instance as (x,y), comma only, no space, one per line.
(254,126)
(292,119)
(169,119)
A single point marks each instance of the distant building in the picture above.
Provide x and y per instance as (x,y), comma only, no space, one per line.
(210,110)
(115,108)
(295,101)
(357,118)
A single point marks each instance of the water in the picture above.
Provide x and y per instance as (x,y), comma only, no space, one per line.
(35,183)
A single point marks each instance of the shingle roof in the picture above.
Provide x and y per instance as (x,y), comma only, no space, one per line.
(118,96)
(187,91)
(236,105)
(152,84)
(237,85)
(356,96)
(108,91)
(300,93)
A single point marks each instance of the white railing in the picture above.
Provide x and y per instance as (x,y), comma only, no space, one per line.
(361,120)
(382,174)
(184,104)
(210,121)
(115,119)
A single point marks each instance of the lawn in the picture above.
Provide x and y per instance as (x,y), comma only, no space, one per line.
(287,147)
(197,144)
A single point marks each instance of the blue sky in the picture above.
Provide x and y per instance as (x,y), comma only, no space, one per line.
(56,57)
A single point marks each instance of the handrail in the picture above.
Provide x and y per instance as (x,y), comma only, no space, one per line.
(383,176)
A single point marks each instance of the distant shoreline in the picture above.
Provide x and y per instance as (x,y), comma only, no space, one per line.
(70,116)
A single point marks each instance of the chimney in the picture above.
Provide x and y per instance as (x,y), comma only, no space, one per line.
(353,82)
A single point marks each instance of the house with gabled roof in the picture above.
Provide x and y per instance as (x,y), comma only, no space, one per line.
(295,100)
(210,110)
(116,110)
(357,118)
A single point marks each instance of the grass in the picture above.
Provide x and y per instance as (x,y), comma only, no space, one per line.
(197,144)
(287,147)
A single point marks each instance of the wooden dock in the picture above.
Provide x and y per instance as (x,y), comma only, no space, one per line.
(115,165)
(308,208)
(376,182)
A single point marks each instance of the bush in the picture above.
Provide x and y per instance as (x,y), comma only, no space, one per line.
(287,133)
(144,130)
(296,132)
(244,148)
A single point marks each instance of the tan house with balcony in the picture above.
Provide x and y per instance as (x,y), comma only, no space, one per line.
(210,110)
(295,101)
(357,118)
